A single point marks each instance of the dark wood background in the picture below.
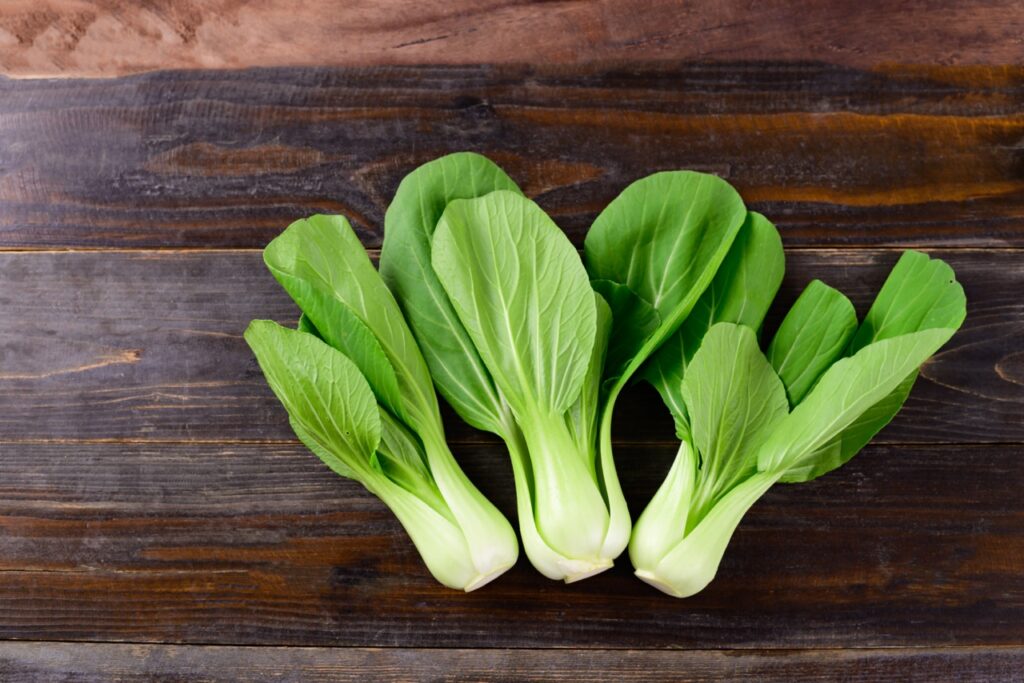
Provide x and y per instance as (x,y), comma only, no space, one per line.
(158,520)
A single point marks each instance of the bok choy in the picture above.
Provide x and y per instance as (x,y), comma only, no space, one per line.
(515,339)
(748,420)
(359,395)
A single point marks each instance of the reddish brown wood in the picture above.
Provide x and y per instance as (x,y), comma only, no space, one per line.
(74,37)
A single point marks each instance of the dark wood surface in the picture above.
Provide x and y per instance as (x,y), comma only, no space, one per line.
(837,157)
(261,544)
(156,510)
(24,663)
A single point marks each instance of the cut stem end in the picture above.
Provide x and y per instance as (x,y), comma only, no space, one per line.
(652,579)
(586,573)
(484,579)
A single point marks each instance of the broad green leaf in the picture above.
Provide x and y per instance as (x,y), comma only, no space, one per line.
(582,416)
(329,403)
(733,398)
(346,332)
(847,390)
(522,294)
(811,337)
(745,284)
(405,265)
(741,292)
(920,293)
(323,266)
(664,238)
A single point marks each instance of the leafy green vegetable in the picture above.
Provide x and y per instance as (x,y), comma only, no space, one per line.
(652,252)
(556,373)
(482,298)
(363,401)
(523,296)
(740,437)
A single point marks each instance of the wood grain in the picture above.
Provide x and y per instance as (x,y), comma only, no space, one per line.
(74,37)
(262,544)
(927,156)
(27,662)
(147,345)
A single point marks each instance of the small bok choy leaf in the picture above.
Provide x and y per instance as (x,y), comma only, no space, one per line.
(359,395)
(469,377)
(741,436)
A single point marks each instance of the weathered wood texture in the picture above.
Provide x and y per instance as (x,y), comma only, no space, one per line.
(63,662)
(74,37)
(251,543)
(147,345)
(926,156)
(151,490)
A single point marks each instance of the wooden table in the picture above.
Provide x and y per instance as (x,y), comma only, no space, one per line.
(158,519)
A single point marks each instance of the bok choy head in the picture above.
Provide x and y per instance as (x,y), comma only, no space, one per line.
(515,340)
(359,395)
(748,420)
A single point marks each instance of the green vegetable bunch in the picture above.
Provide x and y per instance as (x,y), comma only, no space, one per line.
(749,419)
(359,395)
(482,297)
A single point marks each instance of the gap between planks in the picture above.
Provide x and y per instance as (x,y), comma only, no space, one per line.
(725,650)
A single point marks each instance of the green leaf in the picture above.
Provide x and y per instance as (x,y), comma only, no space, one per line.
(848,442)
(321,263)
(745,284)
(811,337)
(920,293)
(522,294)
(741,292)
(405,264)
(847,390)
(664,238)
(329,403)
(733,398)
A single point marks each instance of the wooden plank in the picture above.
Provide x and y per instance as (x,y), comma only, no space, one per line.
(147,345)
(69,37)
(83,663)
(261,544)
(837,156)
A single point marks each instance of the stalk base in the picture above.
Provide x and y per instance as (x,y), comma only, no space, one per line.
(586,573)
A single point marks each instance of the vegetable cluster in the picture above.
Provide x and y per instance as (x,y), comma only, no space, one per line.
(481,297)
